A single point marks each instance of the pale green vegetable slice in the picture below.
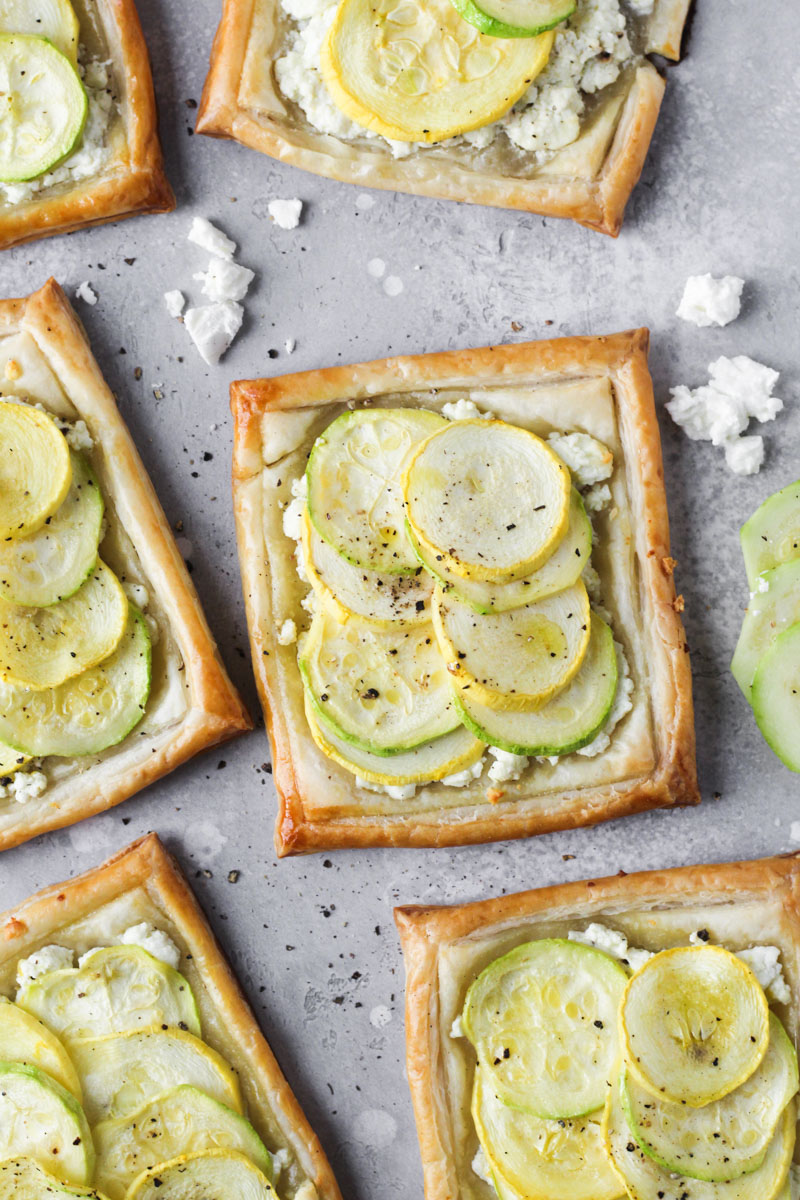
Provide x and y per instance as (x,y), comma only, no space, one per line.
(35,469)
(40,1119)
(776,697)
(25,1039)
(10,761)
(51,564)
(774,606)
(44,107)
(24,1179)
(213,1175)
(694,1024)
(727,1138)
(118,989)
(355,497)
(51,19)
(514,18)
(543,1021)
(772,535)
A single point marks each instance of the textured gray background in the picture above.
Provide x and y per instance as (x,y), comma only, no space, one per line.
(312,939)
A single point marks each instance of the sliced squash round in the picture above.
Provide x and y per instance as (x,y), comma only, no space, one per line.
(774,607)
(212,1175)
(776,697)
(10,761)
(35,469)
(25,1039)
(417,72)
(40,1119)
(772,535)
(24,1179)
(514,18)
(492,499)
(694,1024)
(44,107)
(355,497)
(543,1021)
(51,19)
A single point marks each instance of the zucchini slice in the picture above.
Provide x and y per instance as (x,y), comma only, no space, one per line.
(43,647)
(516,660)
(118,989)
(213,1175)
(492,499)
(560,571)
(536,1158)
(774,606)
(51,19)
(24,1179)
(383,690)
(417,72)
(772,535)
(25,1039)
(40,1119)
(694,1024)
(543,1021)
(44,107)
(381,597)
(88,713)
(514,18)
(567,722)
(776,697)
(355,497)
(182,1121)
(122,1072)
(727,1138)
(51,564)
(35,469)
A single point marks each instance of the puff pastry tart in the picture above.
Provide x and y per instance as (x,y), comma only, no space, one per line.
(130,1060)
(109,675)
(441,655)
(547,107)
(80,139)
(611,1038)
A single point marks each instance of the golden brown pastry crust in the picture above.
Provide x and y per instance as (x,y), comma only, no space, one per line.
(133,179)
(144,882)
(760,901)
(213,710)
(319,804)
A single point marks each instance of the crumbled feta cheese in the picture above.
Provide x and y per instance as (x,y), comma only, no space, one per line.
(794,831)
(621,706)
(480,1165)
(225,280)
(287,633)
(137,593)
(750,382)
(154,941)
(465,410)
(745,455)
(86,293)
(175,302)
(765,963)
(405,791)
(642,8)
(597,498)
(306,1191)
(463,778)
(208,237)
(457,1029)
(23,786)
(611,942)
(286,213)
(289,345)
(280,1161)
(709,301)
(506,766)
(592,583)
(212,328)
(77,435)
(293,518)
(589,460)
(49,958)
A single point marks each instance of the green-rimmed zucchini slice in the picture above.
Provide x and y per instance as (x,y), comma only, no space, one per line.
(44,107)
(514,18)
(182,1121)
(88,713)
(118,989)
(567,722)
(383,690)
(355,497)
(694,1024)
(214,1175)
(724,1139)
(543,1021)
(492,499)
(774,606)
(35,468)
(51,19)
(24,1179)
(121,1072)
(382,597)
(776,697)
(25,1039)
(561,570)
(51,564)
(40,1119)
(772,535)
(514,660)
(563,1159)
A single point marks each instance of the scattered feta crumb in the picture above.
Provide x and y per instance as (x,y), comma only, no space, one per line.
(589,460)
(225,280)
(393,285)
(506,766)
(457,1029)
(86,293)
(765,963)
(49,958)
(405,791)
(611,942)
(154,941)
(175,302)
(641,8)
(380,1016)
(208,237)
(597,498)
(464,410)
(286,213)
(280,1161)
(364,200)
(794,831)
(287,634)
(23,786)
(464,778)
(212,328)
(78,436)
(745,455)
(293,513)
(289,345)
(376,267)
(480,1165)
(709,301)
(137,593)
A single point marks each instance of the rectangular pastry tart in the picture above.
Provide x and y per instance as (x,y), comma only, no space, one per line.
(132,1066)
(109,675)
(624,1037)
(547,106)
(459,594)
(81,144)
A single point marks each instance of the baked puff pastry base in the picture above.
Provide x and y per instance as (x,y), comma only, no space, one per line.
(589,181)
(600,386)
(740,904)
(131,180)
(144,883)
(45,357)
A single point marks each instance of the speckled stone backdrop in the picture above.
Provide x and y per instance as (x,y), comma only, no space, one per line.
(313,939)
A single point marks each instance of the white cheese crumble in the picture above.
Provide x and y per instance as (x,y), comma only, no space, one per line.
(212,328)
(225,280)
(457,1028)
(506,766)
(280,1161)
(480,1165)
(464,778)
(137,593)
(765,963)
(208,237)
(286,213)
(289,345)
(708,301)
(642,8)
(597,498)
(154,941)
(745,455)
(49,958)
(175,302)
(86,292)
(78,436)
(611,942)
(589,460)
(287,634)
(465,410)
(22,786)
(400,791)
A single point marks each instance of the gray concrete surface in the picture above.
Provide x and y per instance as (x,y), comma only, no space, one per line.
(312,939)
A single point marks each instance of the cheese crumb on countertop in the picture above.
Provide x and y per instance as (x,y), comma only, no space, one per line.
(286,213)
(86,293)
(708,301)
(49,958)
(209,238)
(212,328)
(225,280)
(175,302)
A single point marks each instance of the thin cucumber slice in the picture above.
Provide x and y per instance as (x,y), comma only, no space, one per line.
(725,1139)
(122,1072)
(543,1021)
(24,1179)
(213,1175)
(515,18)
(35,469)
(40,1119)
(51,564)
(118,989)
(86,714)
(355,498)
(564,1159)
(182,1121)
(385,691)
(516,660)
(25,1039)
(694,1024)
(51,19)
(776,697)
(568,722)
(772,535)
(774,606)
(44,107)
(492,499)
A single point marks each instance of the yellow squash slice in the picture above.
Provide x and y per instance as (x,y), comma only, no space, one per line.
(211,1175)
(51,19)
(415,71)
(26,1039)
(35,469)
(11,760)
